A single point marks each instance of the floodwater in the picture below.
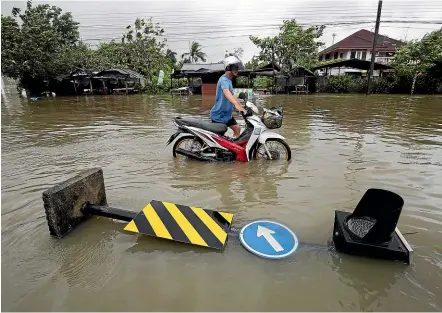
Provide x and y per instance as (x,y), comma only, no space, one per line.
(341,144)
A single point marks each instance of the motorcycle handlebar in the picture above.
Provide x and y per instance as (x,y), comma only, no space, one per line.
(249,112)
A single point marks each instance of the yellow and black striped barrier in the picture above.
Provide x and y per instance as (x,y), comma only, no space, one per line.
(191,225)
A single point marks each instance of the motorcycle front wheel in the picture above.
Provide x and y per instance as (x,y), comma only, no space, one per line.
(278,149)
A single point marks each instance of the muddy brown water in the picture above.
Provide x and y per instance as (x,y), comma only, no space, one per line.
(341,145)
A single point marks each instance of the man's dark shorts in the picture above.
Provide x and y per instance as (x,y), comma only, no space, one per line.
(229,123)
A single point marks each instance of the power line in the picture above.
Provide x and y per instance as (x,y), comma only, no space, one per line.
(310,8)
(331,23)
(186,35)
(166,19)
(229,25)
(280,16)
(261,27)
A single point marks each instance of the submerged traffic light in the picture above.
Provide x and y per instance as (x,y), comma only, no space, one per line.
(371,229)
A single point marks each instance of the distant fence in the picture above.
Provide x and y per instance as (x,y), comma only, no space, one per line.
(248,91)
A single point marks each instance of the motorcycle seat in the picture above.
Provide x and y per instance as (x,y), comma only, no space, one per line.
(218,128)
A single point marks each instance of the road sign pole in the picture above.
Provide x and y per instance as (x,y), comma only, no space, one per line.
(105,211)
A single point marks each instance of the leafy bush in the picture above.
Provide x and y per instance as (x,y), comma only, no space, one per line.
(393,83)
(262,82)
(338,84)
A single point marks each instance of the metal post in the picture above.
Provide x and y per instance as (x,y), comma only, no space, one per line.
(99,210)
(3,86)
(373,50)
(273,67)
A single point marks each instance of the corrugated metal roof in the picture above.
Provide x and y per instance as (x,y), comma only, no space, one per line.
(269,66)
(195,67)
(354,63)
(124,72)
(301,70)
(79,72)
(363,39)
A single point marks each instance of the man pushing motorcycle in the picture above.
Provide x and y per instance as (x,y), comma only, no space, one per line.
(207,139)
(221,112)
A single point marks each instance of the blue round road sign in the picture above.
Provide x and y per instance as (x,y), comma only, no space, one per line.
(268,239)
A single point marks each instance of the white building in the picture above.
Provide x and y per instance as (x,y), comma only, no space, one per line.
(359,46)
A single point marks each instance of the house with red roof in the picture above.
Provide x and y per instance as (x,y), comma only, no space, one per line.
(359,46)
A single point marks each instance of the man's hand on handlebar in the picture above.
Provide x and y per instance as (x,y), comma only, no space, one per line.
(243,111)
(247,112)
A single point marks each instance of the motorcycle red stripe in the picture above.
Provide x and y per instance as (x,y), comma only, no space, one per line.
(241,154)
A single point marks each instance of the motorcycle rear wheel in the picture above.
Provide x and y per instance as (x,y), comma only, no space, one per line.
(261,153)
(195,144)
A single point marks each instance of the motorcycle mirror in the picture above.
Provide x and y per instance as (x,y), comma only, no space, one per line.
(242,95)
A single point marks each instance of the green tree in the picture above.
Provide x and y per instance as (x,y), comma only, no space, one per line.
(42,43)
(10,46)
(29,48)
(293,45)
(195,53)
(238,52)
(254,63)
(112,54)
(80,56)
(172,56)
(143,48)
(417,56)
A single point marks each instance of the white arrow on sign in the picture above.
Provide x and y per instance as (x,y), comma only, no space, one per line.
(267,233)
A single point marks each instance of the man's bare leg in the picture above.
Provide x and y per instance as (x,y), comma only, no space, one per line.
(236,130)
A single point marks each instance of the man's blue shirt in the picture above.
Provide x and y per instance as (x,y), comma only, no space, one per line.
(222,110)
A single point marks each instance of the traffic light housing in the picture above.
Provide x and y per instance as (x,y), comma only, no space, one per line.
(371,229)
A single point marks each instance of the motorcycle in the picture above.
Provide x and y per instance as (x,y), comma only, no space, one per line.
(206,140)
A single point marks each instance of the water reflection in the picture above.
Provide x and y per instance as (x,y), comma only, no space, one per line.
(396,117)
(231,181)
(146,244)
(371,279)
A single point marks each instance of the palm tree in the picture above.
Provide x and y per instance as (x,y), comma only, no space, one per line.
(194,53)
(171,55)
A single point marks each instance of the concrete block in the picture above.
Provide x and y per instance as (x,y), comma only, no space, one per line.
(63,201)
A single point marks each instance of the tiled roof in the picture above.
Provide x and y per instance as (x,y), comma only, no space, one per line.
(363,39)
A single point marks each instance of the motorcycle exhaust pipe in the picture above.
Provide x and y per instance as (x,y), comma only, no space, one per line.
(195,156)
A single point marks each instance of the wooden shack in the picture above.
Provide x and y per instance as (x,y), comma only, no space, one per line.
(298,80)
(208,75)
(205,75)
(118,80)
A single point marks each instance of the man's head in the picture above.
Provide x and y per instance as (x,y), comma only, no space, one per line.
(232,65)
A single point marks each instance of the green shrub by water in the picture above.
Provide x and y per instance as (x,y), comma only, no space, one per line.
(388,84)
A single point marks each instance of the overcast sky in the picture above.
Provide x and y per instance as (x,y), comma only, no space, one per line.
(220,25)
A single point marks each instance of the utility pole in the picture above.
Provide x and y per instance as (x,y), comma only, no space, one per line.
(373,50)
(273,67)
